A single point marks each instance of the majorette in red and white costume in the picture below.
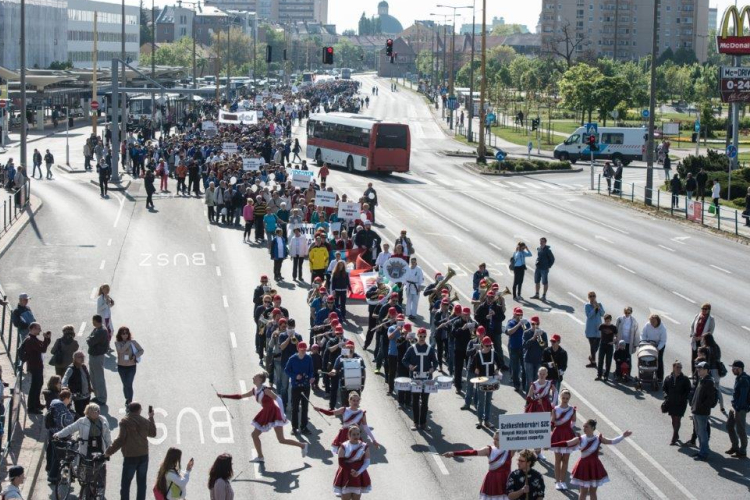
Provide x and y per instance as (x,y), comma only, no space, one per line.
(353,459)
(562,421)
(540,397)
(272,412)
(493,486)
(349,416)
(588,471)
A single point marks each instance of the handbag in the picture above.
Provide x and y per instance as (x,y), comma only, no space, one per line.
(134,350)
(56,358)
(722,369)
(664,406)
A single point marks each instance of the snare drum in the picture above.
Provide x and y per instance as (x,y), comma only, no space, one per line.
(352,372)
(402,384)
(416,385)
(444,382)
(430,387)
(490,385)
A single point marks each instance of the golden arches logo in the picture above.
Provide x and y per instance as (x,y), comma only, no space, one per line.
(739,21)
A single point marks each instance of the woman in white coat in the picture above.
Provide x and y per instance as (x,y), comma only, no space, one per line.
(104,305)
(298,252)
(628,331)
(93,430)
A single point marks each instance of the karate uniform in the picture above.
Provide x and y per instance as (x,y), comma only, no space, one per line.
(413,280)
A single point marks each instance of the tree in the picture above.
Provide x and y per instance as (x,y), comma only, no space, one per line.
(240,48)
(425,63)
(502,54)
(508,29)
(577,87)
(608,93)
(349,33)
(348,55)
(60,65)
(145,24)
(369,26)
(179,53)
(566,43)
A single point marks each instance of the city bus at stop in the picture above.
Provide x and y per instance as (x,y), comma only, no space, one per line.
(358,143)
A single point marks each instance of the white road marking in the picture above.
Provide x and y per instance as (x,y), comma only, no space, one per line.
(213,247)
(680,239)
(667,248)
(109,242)
(432,211)
(94,292)
(507,213)
(663,314)
(580,216)
(208,226)
(579,246)
(218,271)
(637,448)
(256,465)
(579,299)
(468,269)
(570,315)
(436,270)
(80,330)
(626,269)
(233,338)
(224,298)
(495,247)
(604,239)
(119,211)
(439,461)
(101,266)
(683,297)
(746,328)
(721,269)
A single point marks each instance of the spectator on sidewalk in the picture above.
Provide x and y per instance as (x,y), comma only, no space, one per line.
(78,380)
(17,476)
(545,259)
(93,432)
(30,352)
(98,342)
(690,186)
(37,161)
(716,194)
(702,179)
(170,481)
(52,392)
(63,350)
(704,398)
(22,316)
(675,186)
(219,484)
(61,417)
(594,314)
(737,421)
(133,441)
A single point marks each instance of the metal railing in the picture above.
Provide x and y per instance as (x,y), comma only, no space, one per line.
(705,214)
(13,206)
(10,418)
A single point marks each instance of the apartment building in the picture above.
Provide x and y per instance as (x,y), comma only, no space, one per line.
(622,29)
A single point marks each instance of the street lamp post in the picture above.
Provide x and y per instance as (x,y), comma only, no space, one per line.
(481,152)
(445,50)
(471,76)
(23,83)
(452,73)
(652,108)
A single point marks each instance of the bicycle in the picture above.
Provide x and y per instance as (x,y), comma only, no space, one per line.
(87,472)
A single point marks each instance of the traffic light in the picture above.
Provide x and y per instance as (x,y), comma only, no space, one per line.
(284,54)
(269,53)
(535,124)
(389,47)
(327,55)
(592,143)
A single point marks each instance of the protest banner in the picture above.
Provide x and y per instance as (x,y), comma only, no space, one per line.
(209,129)
(349,210)
(325,199)
(524,431)
(229,148)
(252,164)
(240,117)
(302,178)
(308,230)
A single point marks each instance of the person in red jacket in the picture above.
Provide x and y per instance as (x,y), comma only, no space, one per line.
(33,348)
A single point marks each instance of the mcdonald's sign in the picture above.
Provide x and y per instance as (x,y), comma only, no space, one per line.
(736,43)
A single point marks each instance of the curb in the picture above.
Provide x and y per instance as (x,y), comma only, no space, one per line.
(473,166)
(36,204)
(122,186)
(71,170)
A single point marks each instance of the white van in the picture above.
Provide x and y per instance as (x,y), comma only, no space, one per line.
(615,143)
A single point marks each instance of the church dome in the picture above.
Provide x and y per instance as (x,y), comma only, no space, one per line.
(389,25)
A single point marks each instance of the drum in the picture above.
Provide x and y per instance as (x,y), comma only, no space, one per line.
(490,385)
(430,386)
(478,380)
(352,371)
(444,382)
(416,385)
(402,384)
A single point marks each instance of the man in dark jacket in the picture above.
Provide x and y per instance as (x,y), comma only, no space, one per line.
(133,440)
(22,317)
(372,199)
(491,315)
(702,179)
(104,174)
(33,349)
(98,342)
(545,259)
(369,241)
(737,421)
(704,399)
(690,186)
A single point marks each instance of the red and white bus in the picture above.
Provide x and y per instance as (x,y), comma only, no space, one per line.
(358,143)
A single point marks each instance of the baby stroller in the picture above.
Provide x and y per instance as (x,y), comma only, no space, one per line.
(648,361)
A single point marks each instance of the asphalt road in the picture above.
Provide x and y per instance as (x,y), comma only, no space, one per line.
(184,288)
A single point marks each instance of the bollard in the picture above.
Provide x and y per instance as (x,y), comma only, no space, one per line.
(703,211)
(718,216)
(599,185)
(632,192)
(736,224)
(658,199)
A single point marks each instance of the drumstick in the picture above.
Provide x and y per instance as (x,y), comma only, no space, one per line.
(316,410)
(222,401)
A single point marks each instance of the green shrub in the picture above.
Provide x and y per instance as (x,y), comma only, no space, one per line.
(528,165)
(519,168)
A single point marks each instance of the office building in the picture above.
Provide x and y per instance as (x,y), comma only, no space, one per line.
(279,11)
(713,14)
(46,37)
(622,29)
(109,32)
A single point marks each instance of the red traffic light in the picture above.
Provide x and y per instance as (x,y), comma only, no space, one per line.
(592,139)
(389,42)
(330,50)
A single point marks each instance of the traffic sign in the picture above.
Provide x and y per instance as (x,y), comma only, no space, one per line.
(3,103)
(645,113)
(731,151)
(592,129)
(697,125)
(94,105)
(452,102)
(500,155)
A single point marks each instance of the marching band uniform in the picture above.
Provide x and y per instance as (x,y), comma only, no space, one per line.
(556,362)
(493,486)
(471,351)
(541,398)
(461,333)
(588,471)
(488,364)
(348,418)
(423,357)
(563,428)
(439,337)
(353,460)
(493,323)
(271,414)
(338,366)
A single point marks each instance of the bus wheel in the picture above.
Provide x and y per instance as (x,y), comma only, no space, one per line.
(319,158)
(350,165)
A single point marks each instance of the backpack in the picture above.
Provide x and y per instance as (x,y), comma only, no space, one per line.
(49,419)
(22,354)
(158,495)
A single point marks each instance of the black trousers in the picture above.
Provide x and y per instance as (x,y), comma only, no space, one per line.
(460,358)
(604,366)
(277,267)
(37,380)
(260,344)
(518,274)
(80,405)
(103,186)
(593,348)
(442,350)
(297,267)
(392,362)
(419,407)
(370,325)
(497,342)
(299,402)
(181,187)
(260,232)
(334,381)
(660,368)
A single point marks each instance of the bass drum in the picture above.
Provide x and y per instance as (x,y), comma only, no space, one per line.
(353,372)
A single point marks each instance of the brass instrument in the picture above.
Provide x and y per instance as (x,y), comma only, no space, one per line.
(487,287)
(294,340)
(443,284)
(506,292)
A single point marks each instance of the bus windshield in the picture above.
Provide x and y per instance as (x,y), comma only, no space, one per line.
(391,137)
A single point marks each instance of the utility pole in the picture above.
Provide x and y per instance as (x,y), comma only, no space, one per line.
(195,76)
(471,73)
(652,109)
(229,62)
(23,83)
(218,63)
(94,91)
(153,65)
(124,110)
(481,152)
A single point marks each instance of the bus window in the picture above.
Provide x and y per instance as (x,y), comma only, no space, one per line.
(391,137)
(573,139)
